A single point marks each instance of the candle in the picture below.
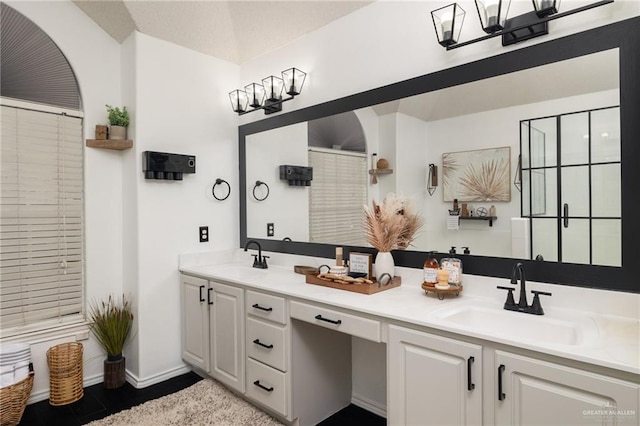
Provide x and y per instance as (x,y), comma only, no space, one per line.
(447,26)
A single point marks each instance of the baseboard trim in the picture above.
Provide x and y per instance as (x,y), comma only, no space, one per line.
(370,405)
(139,383)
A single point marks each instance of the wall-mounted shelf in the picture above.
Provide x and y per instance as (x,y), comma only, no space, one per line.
(381,171)
(489,218)
(110,144)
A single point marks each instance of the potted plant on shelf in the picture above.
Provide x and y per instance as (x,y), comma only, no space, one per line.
(118,120)
(393,224)
(111,323)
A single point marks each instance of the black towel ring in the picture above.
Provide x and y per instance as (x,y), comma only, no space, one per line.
(220,182)
(259,183)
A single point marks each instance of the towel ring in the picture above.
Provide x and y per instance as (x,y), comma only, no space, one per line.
(259,183)
(220,182)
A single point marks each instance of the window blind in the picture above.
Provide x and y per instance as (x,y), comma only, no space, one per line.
(337,196)
(41,228)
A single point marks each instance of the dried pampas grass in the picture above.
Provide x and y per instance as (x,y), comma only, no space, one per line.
(392,224)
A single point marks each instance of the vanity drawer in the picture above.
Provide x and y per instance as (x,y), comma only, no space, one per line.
(267,343)
(346,323)
(266,306)
(267,386)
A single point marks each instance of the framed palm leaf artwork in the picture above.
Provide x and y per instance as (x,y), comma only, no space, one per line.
(478,175)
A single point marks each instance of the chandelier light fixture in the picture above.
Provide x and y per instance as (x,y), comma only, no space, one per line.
(448,20)
(268,95)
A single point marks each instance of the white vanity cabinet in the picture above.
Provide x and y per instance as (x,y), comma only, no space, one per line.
(432,380)
(213,329)
(531,391)
(195,321)
(227,326)
(268,351)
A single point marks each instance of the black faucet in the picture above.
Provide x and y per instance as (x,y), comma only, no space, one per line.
(518,269)
(522,305)
(259,261)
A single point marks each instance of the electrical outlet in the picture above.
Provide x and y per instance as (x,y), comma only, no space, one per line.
(270,230)
(204,234)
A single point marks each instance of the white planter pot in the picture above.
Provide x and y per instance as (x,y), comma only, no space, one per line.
(384,265)
(117,133)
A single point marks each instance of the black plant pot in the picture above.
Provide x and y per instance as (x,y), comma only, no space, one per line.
(114,371)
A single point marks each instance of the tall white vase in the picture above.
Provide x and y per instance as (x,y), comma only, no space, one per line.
(384,265)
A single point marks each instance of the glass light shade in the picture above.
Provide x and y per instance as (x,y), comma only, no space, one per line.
(273,88)
(255,93)
(546,7)
(493,14)
(447,22)
(293,81)
(239,100)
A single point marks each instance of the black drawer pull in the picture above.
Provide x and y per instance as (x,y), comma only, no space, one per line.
(209,302)
(259,343)
(201,298)
(261,386)
(262,308)
(470,385)
(501,394)
(319,317)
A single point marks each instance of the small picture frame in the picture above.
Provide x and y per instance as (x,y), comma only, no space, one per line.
(361,263)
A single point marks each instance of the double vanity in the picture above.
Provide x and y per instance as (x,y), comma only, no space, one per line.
(286,346)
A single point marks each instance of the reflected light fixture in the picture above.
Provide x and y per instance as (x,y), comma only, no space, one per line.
(268,95)
(493,19)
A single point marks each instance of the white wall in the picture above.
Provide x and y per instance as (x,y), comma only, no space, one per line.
(390,41)
(181,107)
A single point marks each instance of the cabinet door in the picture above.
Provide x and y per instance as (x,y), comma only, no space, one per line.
(227,335)
(195,322)
(432,380)
(543,393)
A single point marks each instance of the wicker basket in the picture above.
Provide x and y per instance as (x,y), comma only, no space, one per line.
(13,400)
(65,373)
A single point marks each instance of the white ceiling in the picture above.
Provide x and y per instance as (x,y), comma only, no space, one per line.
(233,30)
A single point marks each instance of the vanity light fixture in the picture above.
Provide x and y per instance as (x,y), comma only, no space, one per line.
(268,95)
(493,19)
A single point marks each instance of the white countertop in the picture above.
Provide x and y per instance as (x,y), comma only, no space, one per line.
(612,340)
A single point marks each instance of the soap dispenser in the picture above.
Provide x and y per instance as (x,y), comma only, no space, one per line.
(431,267)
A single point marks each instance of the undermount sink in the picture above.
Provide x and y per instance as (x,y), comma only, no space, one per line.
(573,330)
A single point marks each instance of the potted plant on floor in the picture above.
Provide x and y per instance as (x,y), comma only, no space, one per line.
(111,323)
(119,120)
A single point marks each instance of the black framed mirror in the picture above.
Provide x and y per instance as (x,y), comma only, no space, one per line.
(624,36)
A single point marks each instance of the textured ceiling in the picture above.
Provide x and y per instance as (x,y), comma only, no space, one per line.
(232,30)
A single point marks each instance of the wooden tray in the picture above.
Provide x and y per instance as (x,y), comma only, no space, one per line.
(440,293)
(363,288)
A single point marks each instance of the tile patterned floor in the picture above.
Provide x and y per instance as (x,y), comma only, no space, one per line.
(99,402)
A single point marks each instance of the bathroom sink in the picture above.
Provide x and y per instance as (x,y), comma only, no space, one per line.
(572,330)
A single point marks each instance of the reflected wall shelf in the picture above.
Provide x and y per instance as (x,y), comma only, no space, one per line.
(489,218)
(110,144)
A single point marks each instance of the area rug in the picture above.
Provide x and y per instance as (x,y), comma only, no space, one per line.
(204,403)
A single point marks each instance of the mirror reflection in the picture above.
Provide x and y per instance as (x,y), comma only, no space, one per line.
(527,111)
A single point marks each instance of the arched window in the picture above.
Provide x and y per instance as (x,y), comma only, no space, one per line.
(42,223)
